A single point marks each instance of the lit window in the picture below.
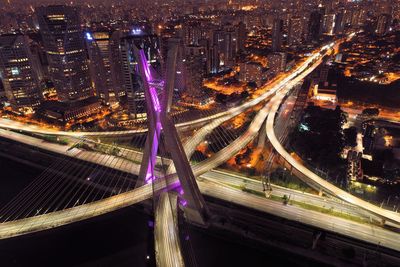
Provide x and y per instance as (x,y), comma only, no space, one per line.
(15,71)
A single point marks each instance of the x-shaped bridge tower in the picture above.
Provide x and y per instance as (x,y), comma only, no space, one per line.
(160,123)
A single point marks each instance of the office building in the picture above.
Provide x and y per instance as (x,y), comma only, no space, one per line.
(277,29)
(17,73)
(251,72)
(276,63)
(383,24)
(295,31)
(64,43)
(195,71)
(315,26)
(99,50)
(241,34)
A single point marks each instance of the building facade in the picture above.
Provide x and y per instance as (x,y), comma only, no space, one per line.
(65,48)
(99,50)
(17,73)
(277,31)
(295,32)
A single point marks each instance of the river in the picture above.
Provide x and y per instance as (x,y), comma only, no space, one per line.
(122,238)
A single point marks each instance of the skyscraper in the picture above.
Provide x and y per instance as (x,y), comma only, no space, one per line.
(295,31)
(383,24)
(195,69)
(99,50)
(241,35)
(131,78)
(224,47)
(276,62)
(277,28)
(64,43)
(315,26)
(116,64)
(339,22)
(17,73)
(329,23)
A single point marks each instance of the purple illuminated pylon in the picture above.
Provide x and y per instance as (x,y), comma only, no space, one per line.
(150,177)
(159,119)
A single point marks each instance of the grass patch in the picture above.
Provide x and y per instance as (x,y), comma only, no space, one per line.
(254,192)
(330,211)
(301,204)
(55,139)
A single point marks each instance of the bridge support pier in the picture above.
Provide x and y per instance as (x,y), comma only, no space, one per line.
(262,136)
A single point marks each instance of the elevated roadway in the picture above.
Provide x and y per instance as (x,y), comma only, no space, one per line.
(130,167)
(313,179)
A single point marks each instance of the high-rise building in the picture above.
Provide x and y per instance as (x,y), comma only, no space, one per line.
(339,22)
(315,26)
(276,62)
(224,48)
(65,48)
(99,50)
(18,74)
(383,24)
(192,33)
(195,70)
(358,18)
(295,31)
(241,35)
(330,5)
(116,64)
(329,23)
(131,77)
(277,29)
(251,72)
(324,73)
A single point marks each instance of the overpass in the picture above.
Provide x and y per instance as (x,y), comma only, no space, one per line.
(313,179)
(51,220)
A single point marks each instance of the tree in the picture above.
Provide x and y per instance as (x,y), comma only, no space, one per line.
(323,141)
(350,136)
(373,112)
(252,84)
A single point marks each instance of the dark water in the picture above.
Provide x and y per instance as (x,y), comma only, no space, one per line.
(122,238)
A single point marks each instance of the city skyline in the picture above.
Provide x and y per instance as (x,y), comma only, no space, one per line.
(200,133)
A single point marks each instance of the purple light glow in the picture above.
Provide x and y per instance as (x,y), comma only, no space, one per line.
(183,202)
(175,184)
(146,66)
(157,109)
(153,92)
(154,98)
(150,177)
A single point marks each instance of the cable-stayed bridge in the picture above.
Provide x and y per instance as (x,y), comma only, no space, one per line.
(94,178)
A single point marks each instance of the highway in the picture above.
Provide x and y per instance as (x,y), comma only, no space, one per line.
(82,212)
(238,180)
(369,233)
(313,179)
(198,169)
(128,166)
(167,244)
(85,211)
